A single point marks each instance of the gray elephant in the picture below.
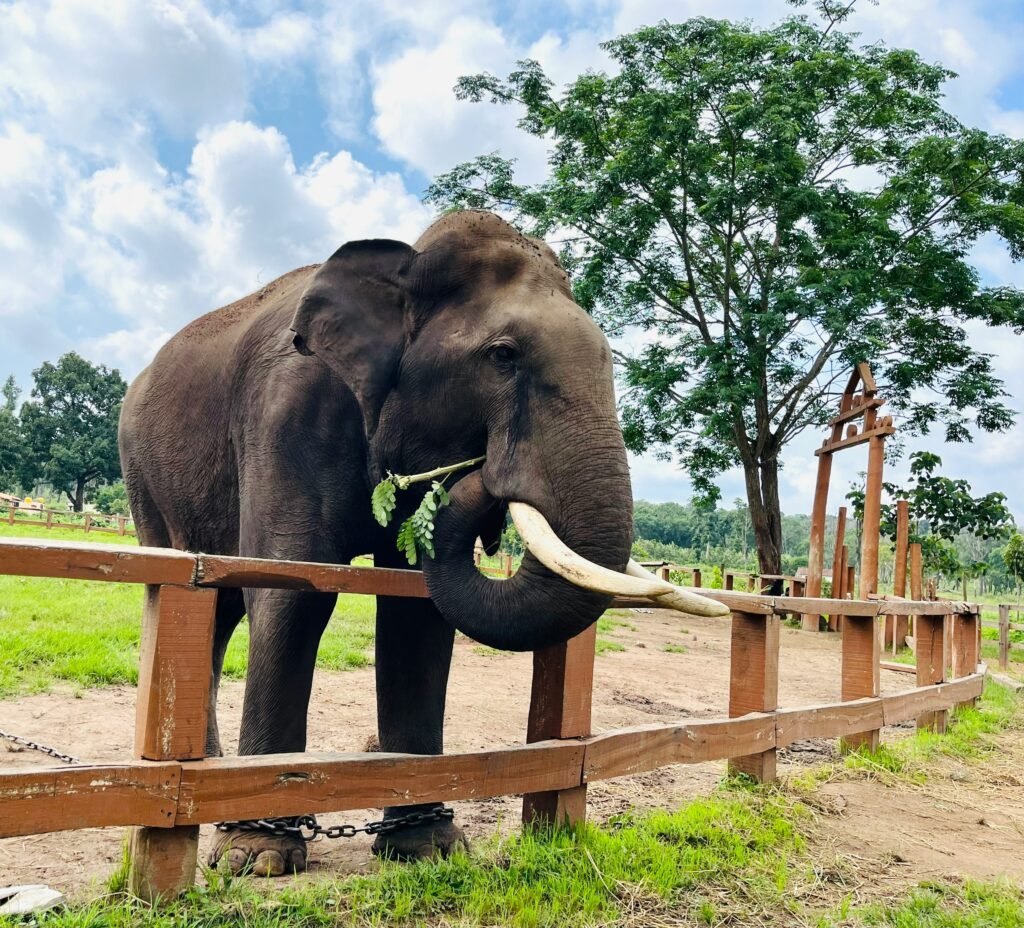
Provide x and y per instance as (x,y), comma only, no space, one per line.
(384,358)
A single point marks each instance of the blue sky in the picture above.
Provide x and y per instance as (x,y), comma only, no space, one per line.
(159,158)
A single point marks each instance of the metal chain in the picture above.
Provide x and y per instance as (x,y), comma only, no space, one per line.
(41,748)
(306,827)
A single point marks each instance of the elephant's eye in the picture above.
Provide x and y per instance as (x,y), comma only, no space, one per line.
(503,354)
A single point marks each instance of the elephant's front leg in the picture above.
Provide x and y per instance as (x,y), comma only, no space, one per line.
(284,633)
(414,652)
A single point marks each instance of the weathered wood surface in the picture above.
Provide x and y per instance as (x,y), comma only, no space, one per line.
(293,784)
(860,671)
(72,560)
(175,667)
(897,667)
(637,750)
(930,651)
(828,721)
(880,431)
(221,571)
(855,412)
(560,707)
(754,683)
(65,798)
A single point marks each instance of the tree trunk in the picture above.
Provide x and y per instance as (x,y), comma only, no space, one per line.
(762,483)
(80,496)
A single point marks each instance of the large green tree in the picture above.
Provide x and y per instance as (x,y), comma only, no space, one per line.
(12,447)
(770,206)
(69,427)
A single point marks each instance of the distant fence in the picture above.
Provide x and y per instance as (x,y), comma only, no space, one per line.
(171,788)
(1005,626)
(55,518)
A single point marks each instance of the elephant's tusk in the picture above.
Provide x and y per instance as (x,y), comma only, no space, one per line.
(559,558)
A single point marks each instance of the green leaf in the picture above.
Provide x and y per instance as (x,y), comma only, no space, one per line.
(383,500)
(407,540)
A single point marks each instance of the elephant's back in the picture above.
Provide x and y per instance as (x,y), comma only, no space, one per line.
(176,421)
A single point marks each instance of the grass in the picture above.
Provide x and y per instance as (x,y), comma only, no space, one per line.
(674,649)
(937,905)
(737,852)
(86,634)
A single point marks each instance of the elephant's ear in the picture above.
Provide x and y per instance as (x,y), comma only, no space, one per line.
(353,317)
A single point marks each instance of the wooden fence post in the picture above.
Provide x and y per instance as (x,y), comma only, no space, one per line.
(10,515)
(900,624)
(754,682)
(120,525)
(49,518)
(664,571)
(175,664)
(696,578)
(930,647)
(88,521)
(1004,637)
(860,671)
(560,700)
(729,581)
(965,647)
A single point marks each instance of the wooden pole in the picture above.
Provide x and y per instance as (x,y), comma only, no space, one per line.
(10,515)
(175,667)
(929,648)
(860,671)
(871,526)
(816,551)
(49,518)
(696,578)
(1004,637)
(965,647)
(560,706)
(754,682)
(901,623)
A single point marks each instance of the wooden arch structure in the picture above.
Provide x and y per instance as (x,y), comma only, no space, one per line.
(859,401)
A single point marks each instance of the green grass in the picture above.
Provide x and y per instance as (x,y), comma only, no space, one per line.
(737,852)
(674,649)
(936,905)
(86,634)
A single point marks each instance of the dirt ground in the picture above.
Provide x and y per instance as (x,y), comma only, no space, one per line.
(967,821)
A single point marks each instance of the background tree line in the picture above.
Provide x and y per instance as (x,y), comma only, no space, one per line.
(64,436)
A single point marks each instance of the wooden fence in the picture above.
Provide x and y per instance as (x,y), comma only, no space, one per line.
(170,789)
(1005,626)
(55,518)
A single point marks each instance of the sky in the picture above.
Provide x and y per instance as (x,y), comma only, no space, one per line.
(160,158)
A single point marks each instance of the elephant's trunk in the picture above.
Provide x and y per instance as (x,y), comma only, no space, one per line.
(536,607)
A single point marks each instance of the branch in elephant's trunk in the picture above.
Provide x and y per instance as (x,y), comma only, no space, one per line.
(554,554)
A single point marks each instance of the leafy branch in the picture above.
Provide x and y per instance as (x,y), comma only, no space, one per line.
(417,532)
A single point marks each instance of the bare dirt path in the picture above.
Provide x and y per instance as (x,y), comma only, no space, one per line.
(908,831)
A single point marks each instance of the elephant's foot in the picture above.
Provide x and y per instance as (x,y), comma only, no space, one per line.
(259,853)
(429,841)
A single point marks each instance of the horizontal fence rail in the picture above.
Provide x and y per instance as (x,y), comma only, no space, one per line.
(52,518)
(170,789)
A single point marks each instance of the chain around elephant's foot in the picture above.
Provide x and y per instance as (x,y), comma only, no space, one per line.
(259,853)
(427,841)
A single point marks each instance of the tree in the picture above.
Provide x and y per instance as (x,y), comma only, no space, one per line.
(70,426)
(112,499)
(12,446)
(942,511)
(1013,558)
(774,205)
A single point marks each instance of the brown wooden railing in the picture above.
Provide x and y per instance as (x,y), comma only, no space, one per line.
(56,518)
(170,789)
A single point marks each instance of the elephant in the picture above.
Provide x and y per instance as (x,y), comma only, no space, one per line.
(261,428)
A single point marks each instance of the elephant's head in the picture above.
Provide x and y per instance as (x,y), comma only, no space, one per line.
(469,344)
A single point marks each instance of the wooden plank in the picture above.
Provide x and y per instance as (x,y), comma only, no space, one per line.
(929,648)
(965,648)
(897,667)
(831,447)
(860,671)
(785,604)
(636,750)
(829,721)
(71,560)
(560,707)
(754,682)
(916,572)
(744,602)
(910,704)
(269,785)
(175,669)
(855,412)
(222,571)
(64,798)
(871,520)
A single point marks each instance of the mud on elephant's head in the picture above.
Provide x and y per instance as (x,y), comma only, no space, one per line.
(470,343)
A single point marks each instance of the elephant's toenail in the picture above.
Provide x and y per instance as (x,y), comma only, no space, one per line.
(268,863)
